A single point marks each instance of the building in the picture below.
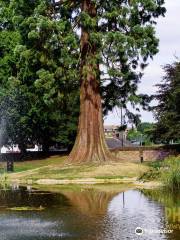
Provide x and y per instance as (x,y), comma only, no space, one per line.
(116,138)
(114,132)
(10,149)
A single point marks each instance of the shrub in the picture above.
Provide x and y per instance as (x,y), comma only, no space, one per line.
(170,172)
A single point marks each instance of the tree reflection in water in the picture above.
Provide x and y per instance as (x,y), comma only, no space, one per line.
(84,214)
(90,202)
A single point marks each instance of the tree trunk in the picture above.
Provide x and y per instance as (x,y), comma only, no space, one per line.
(90,145)
(22,148)
(45,147)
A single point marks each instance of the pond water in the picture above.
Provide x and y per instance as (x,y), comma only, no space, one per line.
(89,214)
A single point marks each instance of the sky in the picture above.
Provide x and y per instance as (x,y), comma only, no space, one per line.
(168,32)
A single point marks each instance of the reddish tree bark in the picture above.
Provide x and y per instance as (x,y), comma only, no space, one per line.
(90,144)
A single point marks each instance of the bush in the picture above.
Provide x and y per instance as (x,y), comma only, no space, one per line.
(154,172)
(170,173)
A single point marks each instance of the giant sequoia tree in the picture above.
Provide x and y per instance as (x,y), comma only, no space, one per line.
(115,40)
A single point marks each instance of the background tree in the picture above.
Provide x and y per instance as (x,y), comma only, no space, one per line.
(39,102)
(142,134)
(167,112)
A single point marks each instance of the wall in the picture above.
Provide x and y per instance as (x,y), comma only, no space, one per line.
(138,154)
(129,154)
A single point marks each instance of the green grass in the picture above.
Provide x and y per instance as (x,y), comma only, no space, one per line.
(30,165)
(171,172)
(156,165)
(167,171)
(57,168)
(4,181)
(154,171)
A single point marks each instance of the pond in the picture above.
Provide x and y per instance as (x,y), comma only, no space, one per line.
(89,214)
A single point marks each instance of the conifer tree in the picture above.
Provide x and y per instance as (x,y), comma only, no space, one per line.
(167,111)
(38,95)
(115,39)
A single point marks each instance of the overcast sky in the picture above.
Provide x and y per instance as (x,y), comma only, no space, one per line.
(168,31)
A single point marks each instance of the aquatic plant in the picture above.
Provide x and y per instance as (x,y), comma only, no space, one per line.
(27,208)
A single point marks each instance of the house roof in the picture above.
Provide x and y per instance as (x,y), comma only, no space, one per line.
(117,143)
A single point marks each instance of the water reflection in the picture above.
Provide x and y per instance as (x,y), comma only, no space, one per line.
(126,213)
(87,214)
(170,202)
(90,202)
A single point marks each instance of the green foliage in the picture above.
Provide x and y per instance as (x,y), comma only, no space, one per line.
(26,208)
(171,172)
(156,165)
(167,198)
(133,134)
(167,171)
(145,127)
(4,181)
(38,96)
(128,40)
(143,133)
(151,175)
(167,112)
(8,41)
(154,173)
(40,62)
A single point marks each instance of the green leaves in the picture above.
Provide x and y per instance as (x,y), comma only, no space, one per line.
(38,75)
(167,111)
(128,41)
(40,53)
(33,35)
(87,21)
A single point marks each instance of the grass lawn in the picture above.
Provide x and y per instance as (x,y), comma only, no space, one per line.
(56,168)
(30,165)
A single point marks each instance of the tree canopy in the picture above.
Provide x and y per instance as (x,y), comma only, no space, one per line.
(167,111)
(39,102)
(97,49)
(142,134)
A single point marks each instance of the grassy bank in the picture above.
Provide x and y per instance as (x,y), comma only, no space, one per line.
(167,171)
(171,172)
(56,169)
